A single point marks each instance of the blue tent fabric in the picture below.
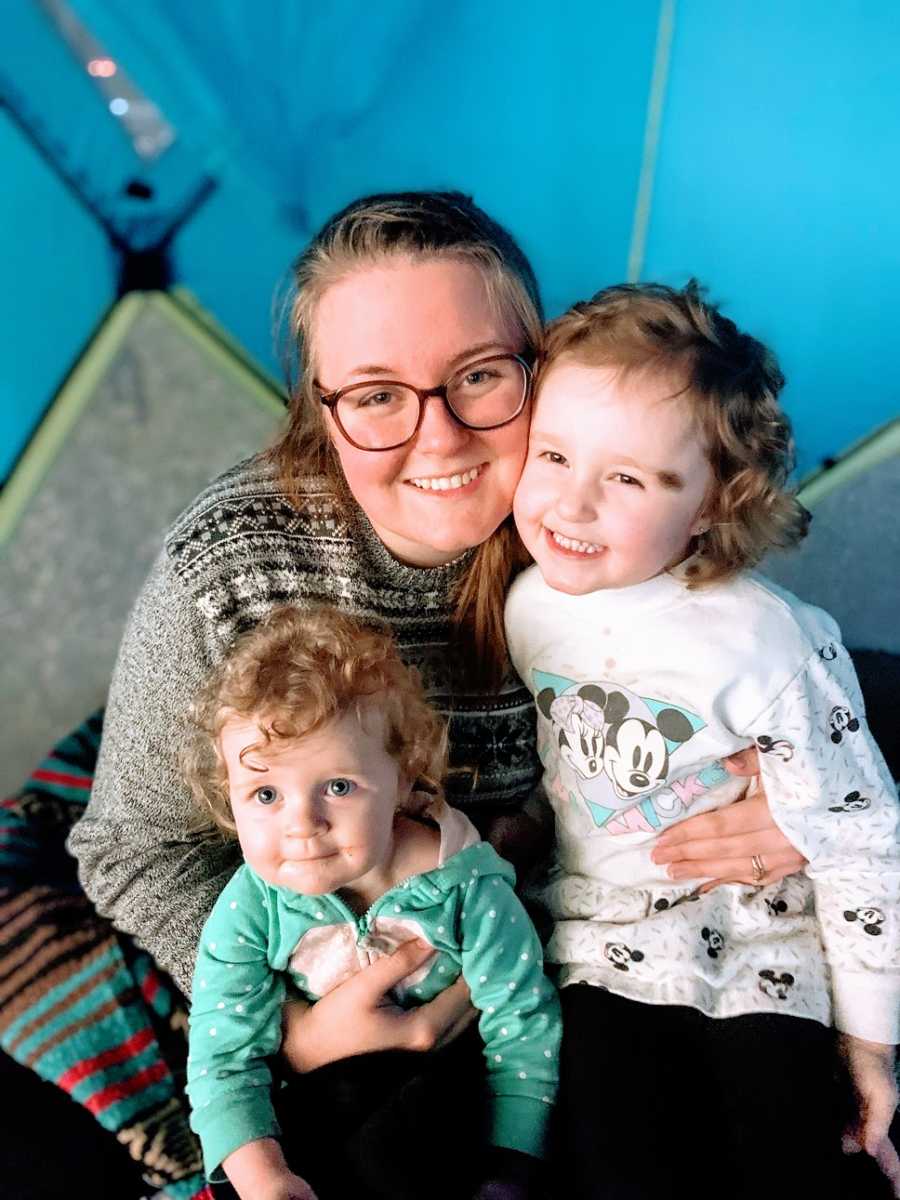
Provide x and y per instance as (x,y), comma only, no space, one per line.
(292,115)
(744,145)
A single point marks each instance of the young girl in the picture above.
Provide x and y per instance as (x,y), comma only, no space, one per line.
(315,745)
(655,477)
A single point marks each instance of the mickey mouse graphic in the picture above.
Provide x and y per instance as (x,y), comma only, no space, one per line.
(776,985)
(621,955)
(780,747)
(618,746)
(715,942)
(852,802)
(871,919)
(841,721)
(636,757)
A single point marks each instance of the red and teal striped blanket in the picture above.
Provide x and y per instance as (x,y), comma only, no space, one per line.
(79,1003)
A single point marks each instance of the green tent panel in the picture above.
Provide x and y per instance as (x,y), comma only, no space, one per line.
(157,406)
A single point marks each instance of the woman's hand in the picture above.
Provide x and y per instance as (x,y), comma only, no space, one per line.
(721,845)
(357,1018)
(871,1069)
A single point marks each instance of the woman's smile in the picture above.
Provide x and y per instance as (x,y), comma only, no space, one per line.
(419,321)
(456,482)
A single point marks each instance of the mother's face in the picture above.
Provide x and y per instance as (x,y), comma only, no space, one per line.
(418,322)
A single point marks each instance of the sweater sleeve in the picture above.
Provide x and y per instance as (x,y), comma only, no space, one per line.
(235,1025)
(830,792)
(520,1020)
(138,860)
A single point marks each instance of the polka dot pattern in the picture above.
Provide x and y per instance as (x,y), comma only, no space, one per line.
(478,902)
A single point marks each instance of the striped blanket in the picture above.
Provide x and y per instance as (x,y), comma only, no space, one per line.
(79,1003)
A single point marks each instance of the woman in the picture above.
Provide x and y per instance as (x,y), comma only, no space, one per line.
(408,524)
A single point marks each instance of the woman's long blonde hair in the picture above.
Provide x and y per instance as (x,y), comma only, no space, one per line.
(418,226)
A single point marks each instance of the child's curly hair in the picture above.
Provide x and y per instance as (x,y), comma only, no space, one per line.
(297,671)
(732,382)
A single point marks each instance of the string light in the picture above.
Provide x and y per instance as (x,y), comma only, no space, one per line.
(101,68)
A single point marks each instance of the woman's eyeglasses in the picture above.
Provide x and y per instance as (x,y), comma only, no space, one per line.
(383,414)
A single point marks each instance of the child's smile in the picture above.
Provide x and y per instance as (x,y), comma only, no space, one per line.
(615,479)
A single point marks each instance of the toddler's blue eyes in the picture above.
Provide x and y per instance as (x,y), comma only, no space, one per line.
(339,787)
(266,795)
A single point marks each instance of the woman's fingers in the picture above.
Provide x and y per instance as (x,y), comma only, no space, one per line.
(736,870)
(369,986)
(734,874)
(356,1017)
(766,843)
(746,816)
(422,1028)
(721,846)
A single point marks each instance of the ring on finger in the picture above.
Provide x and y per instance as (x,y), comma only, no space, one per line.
(758,867)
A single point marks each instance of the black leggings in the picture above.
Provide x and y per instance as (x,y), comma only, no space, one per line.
(663,1102)
(393,1125)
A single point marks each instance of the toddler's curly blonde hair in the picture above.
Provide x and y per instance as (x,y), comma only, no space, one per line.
(732,382)
(297,671)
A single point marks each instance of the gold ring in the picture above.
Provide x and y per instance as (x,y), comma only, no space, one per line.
(759,868)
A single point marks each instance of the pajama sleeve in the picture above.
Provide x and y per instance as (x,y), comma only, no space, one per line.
(520,1024)
(235,1025)
(831,793)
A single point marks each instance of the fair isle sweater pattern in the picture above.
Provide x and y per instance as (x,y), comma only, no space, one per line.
(360,576)
(238,551)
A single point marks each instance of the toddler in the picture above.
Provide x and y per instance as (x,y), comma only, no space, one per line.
(315,748)
(697,1053)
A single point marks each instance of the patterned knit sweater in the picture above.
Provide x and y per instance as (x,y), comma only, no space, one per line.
(238,551)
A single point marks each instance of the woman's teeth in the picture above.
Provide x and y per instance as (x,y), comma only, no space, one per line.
(571,544)
(446,483)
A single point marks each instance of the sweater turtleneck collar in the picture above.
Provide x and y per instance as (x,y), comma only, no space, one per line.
(403,575)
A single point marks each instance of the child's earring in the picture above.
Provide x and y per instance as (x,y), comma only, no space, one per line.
(700,532)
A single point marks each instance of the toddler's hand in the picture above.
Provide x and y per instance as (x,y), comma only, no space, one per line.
(871,1069)
(288,1187)
(258,1171)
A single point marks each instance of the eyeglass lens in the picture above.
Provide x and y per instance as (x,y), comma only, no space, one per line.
(483,395)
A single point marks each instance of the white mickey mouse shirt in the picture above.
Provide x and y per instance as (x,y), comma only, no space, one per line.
(640,693)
